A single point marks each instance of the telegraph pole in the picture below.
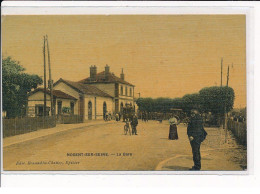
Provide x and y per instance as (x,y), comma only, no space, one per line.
(50,80)
(44,64)
(221,71)
(228,75)
(226,114)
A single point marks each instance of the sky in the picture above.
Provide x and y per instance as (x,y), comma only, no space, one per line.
(162,55)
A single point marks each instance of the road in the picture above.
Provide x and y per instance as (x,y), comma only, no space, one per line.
(105,147)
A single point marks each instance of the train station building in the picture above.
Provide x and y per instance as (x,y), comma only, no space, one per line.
(90,98)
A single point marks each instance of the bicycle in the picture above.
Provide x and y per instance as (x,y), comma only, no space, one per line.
(127,128)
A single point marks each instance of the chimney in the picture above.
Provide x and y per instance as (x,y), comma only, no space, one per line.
(106,71)
(122,75)
(93,73)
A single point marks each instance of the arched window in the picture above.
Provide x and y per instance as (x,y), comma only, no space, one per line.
(122,90)
(126,91)
(130,92)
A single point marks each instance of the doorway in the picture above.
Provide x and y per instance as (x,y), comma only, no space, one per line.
(104,109)
(89,110)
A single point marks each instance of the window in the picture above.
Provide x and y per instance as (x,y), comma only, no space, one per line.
(121,92)
(130,92)
(59,107)
(39,110)
(126,91)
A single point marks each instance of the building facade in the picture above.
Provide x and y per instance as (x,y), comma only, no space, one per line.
(90,98)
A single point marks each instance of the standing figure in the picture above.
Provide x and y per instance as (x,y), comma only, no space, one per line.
(173,134)
(127,127)
(106,116)
(197,135)
(117,117)
(134,123)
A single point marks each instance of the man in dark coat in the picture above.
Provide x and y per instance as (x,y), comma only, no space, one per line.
(197,135)
(134,123)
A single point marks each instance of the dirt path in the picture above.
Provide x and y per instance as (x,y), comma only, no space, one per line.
(107,148)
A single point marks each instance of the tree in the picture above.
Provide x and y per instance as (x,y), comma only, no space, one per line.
(15,86)
(191,101)
(145,104)
(218,100)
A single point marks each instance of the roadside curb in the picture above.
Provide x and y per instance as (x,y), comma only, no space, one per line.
(53,133)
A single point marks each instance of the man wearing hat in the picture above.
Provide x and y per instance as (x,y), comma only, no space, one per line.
(134,123)
(197,135)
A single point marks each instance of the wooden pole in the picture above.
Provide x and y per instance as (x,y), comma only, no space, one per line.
(221,72)
(44,82)
(228,75)
(50,80)
(226,114)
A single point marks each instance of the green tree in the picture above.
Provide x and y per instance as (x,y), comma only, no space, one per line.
(145,104)
(190,101)
(217,100)
(15,86)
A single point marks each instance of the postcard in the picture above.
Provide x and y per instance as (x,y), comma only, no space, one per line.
(124,92)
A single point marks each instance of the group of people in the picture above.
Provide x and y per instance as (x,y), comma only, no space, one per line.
(107,116)
(196,134)
(133,121)
(195,131)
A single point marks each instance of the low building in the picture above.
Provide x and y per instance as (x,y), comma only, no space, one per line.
(61,99)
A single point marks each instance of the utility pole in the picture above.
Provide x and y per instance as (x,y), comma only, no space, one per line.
(226,114)
(221,71)
(228,75)
(50,80)
(44,64)
(222,117)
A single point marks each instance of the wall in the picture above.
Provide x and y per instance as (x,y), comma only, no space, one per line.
(38,98)
(99,106)
(128,97)
(68,90)
(108,88)
(66,103)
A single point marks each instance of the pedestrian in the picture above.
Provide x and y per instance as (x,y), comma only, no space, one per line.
(197,135)
(106,116)
(117,117)
(134,123)
(173,134)
(119,114)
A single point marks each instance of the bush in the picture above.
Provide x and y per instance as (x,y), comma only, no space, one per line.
(210,99)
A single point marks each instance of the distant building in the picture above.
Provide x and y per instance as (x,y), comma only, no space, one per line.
(91,97)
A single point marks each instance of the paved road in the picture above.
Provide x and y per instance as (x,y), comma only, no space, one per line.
(105,147)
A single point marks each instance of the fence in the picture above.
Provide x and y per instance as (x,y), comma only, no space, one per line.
(69,119)
(18,126)
(239,130)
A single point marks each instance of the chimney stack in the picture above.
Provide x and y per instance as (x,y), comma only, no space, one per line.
(106,71)
(122,75)
(93,72)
